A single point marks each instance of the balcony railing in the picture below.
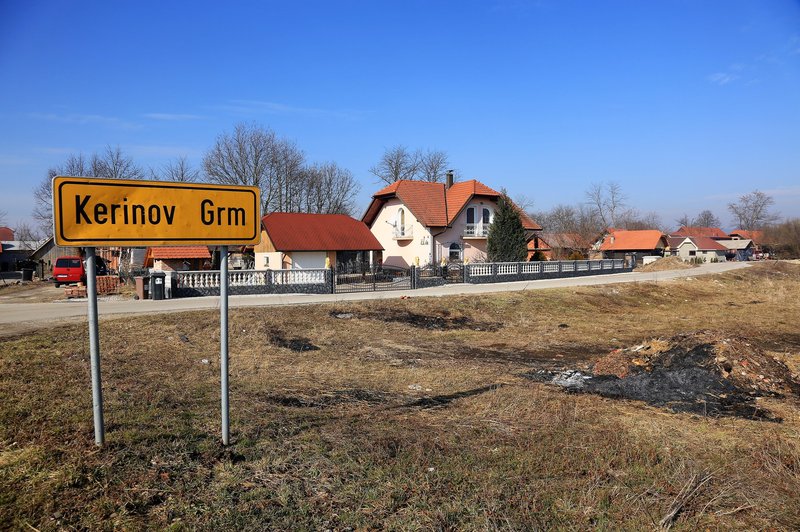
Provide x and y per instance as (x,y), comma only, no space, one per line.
(476,230)
(403,232)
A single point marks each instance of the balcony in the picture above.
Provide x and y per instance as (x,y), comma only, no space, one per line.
(403,232)
(476,230)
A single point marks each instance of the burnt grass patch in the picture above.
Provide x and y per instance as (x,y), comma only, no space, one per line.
(298,344)
(328,400)
(432,322)
(699,373)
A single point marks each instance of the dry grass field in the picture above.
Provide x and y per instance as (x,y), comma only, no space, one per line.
(401,414)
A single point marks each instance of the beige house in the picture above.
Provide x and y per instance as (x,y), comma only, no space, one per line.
(430,222)
(301,241)
(701,248)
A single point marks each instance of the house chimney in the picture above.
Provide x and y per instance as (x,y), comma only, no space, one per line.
(449,179)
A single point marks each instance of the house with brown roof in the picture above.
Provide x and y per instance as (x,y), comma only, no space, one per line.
(561,246)
(305,241)
(178,258)
(428,222)
(709,232)
(622,244)
(701,248)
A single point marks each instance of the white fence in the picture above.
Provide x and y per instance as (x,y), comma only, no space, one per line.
(549,267)
(210,279)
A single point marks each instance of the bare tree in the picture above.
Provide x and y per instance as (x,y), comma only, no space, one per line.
(581,222)
(684,221)
(433,166)
(112,163)
(330,189)
(706,218)
(633,220)
(178,170)
(3,215)
(28,235)
(244,157)
(396,163)
(752,212)
(607,201)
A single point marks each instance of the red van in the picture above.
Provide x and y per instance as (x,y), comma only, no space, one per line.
(68,270)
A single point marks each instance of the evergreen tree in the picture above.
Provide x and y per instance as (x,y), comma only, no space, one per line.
(506,240)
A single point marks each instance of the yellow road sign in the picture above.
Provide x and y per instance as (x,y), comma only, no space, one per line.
(91,211)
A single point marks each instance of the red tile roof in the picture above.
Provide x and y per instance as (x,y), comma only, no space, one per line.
(755,236)
(645,240)
(705,243)
(6,234)
(711,232)
(318,232)
(179,252)
(433,204)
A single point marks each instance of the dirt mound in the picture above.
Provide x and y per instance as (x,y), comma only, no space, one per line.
(702,372)
(666,263)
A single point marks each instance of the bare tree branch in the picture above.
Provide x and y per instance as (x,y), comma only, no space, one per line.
(752,211)
(433,166)
(396,163)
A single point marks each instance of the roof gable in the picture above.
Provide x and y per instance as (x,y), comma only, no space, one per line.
(318,232)
(433,204)
(704,243)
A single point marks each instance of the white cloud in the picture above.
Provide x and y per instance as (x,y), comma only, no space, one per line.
(722,78)
(257,107)
(86,119)
(172,117)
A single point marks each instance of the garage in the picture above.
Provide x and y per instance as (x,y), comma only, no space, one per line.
(308,260)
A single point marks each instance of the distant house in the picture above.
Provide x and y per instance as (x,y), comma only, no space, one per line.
(622,244)
(756,236)
(564,245)
(738,249)
(702,248)
(538,244)
(709,232)
(743,234)
(431,222)
(178,258)
(303,241)
(47,252)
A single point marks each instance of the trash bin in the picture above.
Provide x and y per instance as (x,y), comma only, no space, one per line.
(141,287)
(27,274)
(157,281)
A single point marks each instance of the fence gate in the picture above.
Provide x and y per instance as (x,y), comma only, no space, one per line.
(361,278)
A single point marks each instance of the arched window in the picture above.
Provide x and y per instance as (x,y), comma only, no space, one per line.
(487,216)
(455,251)
(400,227)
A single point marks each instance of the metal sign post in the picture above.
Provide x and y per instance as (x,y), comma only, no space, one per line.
(94,347)
(223,341)
(89,211)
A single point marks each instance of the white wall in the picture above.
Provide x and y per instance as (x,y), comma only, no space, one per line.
(401,253)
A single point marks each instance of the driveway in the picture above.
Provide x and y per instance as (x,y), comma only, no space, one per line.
(16,318)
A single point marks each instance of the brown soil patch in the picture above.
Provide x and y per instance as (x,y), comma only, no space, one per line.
(666,263)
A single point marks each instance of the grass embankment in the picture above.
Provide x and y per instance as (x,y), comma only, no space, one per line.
(398,414)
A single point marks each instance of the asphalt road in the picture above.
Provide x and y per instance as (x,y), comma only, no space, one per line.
(20,317)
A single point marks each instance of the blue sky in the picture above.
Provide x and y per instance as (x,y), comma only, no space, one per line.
(685,104)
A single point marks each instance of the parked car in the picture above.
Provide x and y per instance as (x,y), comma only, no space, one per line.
(73,270)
